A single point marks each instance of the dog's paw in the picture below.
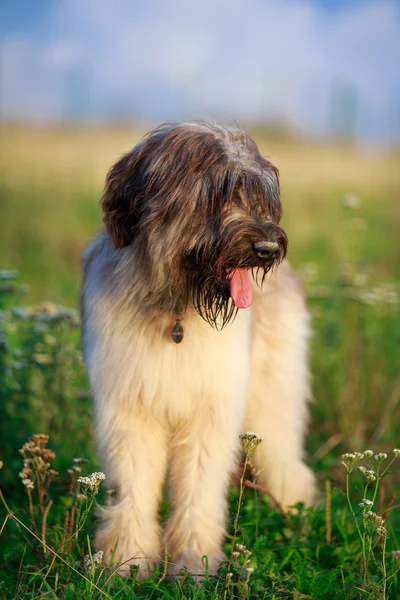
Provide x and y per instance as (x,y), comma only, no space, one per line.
(126,559)
(300,486)
(133,567)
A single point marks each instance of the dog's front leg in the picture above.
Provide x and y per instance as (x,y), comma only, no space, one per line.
(204,453)
(133,445)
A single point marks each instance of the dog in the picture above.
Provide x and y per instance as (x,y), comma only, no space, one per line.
(194,330)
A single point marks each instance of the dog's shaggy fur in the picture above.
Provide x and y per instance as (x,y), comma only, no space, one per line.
(188,213)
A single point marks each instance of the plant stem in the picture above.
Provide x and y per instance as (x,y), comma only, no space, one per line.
(239,505)
(355,520)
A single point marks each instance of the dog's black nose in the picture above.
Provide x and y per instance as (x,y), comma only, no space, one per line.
(266,250)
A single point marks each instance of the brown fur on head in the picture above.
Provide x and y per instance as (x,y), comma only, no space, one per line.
(192,200)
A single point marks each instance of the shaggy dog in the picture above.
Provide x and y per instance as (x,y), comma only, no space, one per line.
(191,232)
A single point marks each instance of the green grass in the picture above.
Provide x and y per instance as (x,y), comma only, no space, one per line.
(50,183)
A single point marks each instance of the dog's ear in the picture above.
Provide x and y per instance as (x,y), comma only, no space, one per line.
(122,198)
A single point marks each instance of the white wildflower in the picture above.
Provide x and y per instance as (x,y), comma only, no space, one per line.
(368,453)
(28,483)
(396,452)
(365,502)
(381,456)
(348,457)
(94,561)
(379,295)
(93,481)
(377,520)
(368,474)
(249,571)
(250,441)
(240,547)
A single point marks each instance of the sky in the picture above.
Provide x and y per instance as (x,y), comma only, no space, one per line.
(320,66)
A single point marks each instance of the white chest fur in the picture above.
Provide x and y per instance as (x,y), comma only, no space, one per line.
(145,366)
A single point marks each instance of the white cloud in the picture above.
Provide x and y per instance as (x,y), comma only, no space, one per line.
(238,59)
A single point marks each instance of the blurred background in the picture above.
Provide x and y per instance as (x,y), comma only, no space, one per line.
(316,82)
(320,67)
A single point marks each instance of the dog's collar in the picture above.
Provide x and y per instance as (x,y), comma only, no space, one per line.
(177,332)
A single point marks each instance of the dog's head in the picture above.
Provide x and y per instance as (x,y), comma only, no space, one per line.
(200,208)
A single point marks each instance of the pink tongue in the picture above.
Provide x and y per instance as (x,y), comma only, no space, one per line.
(241,288)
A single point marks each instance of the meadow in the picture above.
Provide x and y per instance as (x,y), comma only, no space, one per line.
(342,219)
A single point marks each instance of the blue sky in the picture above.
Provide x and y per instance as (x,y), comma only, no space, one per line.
(294,61)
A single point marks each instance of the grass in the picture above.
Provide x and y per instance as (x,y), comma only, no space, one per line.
(342,220)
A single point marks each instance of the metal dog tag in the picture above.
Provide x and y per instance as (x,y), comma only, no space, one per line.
(177,332)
